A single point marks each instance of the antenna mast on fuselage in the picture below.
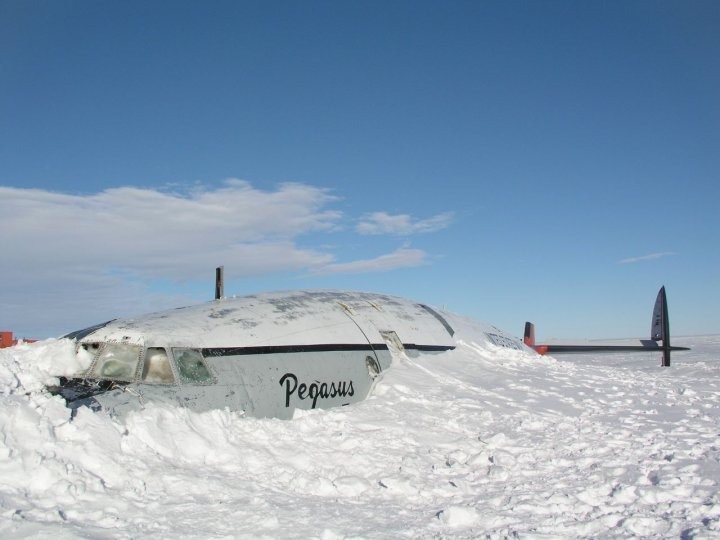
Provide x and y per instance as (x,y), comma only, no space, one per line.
(219,282)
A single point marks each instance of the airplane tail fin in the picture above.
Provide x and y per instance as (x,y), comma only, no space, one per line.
(529,339)
(659,331)
(660,326)
(529,336)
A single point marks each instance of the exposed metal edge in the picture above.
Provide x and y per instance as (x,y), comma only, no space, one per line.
(429,348)
(440,318)
(79,334)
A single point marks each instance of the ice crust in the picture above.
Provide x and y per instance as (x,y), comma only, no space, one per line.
(479,441)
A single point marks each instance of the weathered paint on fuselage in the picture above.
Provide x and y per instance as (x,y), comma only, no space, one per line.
(269,354)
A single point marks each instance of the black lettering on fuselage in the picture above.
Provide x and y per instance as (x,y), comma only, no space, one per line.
(315,390)
(288,388)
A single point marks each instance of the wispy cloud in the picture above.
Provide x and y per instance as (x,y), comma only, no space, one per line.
(402,224)
(400,258)
(649,257)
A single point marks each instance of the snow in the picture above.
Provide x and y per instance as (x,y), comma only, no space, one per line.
(472,442)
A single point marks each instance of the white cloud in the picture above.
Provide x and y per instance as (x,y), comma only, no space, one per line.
(401,224)
(72,260)
(169,235)
(649,257)
(400,258)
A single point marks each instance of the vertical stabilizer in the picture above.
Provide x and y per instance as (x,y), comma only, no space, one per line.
(529,335)
(658,318)
(660,329)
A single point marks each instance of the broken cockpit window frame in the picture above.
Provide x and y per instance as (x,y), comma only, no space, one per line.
(113,365)
(154,368)
(86,353)
(125,362)
(191,366)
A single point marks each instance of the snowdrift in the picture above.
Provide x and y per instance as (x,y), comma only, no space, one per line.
(476,441)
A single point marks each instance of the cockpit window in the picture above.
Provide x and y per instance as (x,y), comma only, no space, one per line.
(157,367)
(116,361)
(191,366)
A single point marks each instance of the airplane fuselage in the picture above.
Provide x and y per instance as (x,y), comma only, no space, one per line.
(266,354)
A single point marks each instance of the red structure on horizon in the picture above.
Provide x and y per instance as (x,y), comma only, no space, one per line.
(6,339)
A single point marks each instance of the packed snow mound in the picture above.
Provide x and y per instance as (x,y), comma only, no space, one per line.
(476,441)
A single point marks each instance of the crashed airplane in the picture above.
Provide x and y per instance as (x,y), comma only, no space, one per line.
(265,355)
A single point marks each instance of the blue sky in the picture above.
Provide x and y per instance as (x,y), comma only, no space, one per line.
(511,161)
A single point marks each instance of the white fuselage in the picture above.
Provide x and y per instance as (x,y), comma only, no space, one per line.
(266,354)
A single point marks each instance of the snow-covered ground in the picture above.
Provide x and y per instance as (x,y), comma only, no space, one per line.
(473,442)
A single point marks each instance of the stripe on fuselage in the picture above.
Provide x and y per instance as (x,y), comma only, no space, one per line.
(318,347)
